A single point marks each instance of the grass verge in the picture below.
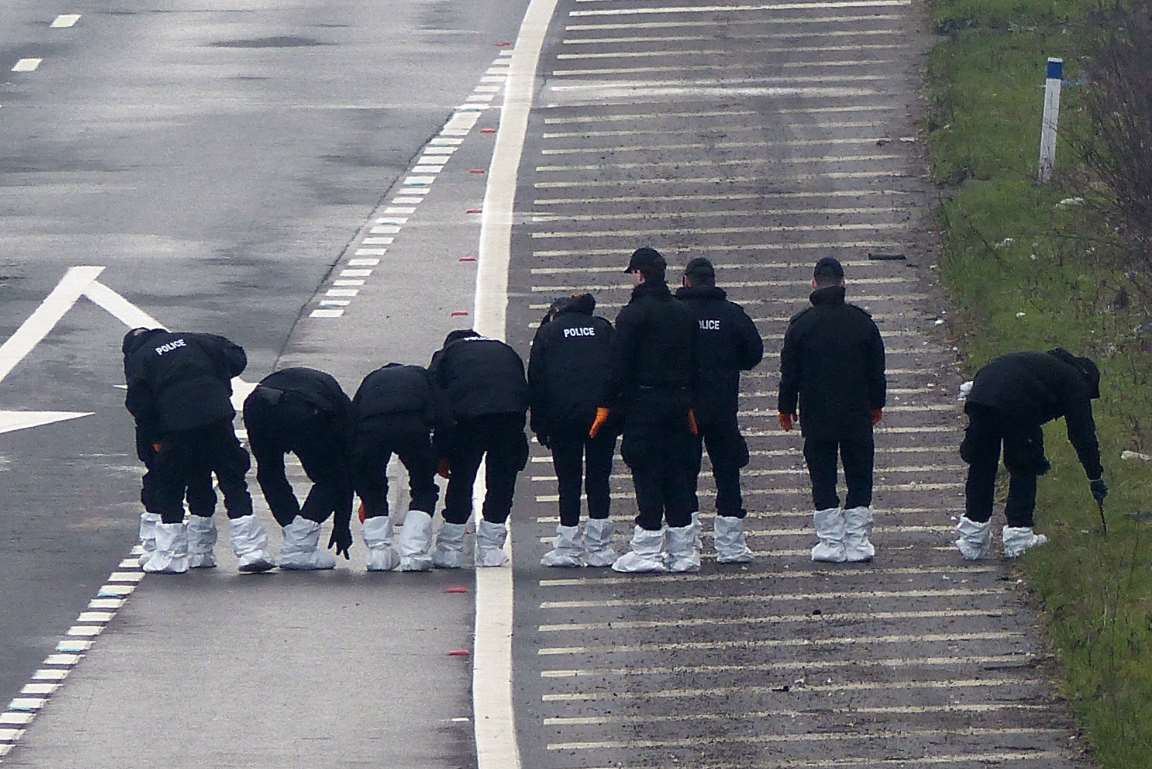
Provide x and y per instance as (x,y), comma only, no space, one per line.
(1023,267)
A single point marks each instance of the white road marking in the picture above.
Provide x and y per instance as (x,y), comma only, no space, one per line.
(861,595)
(385,241)
(371,252)
(445,141)
(427,169)
(355,273)
(405,199)
(363,262)
(27,65)
(680,85)
(714,179)
(345,282)
(433,160)
(852,709)
(790,302)
(419,181)
(871,140)
(756,739)
(855,19)
(615,270)
(899,662)
(387,229)
(342,292)
(763,472)
(639,116)
(680,39)
(326,313)
(335,302)
(572,235)
(766,619)
(703,250)
(727,285)
(732,162)
(399,210)
(699,131)
(721,9)
(743,576)
(546,498)
(859,66)
(65,20)
(840,687)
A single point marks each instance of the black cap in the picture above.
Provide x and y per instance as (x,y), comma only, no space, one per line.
(1086,366)
(700,268)
(460,333)
(828,267)
(646,257)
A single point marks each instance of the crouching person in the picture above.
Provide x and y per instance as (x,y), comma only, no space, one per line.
(305,412)
(1009,401)
(566,373)
(395,412)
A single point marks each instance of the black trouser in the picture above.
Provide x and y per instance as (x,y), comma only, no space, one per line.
(377,439)
(294,426)
(659,448)
(498,438)
(728,452)
(576,458)
(1023,456)
(856,455)
(189,454)
(200,494)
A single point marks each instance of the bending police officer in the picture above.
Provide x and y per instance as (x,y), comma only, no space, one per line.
(727,342)
(305,412)
(201,504)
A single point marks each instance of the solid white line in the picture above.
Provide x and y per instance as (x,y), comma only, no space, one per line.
(709,145)
(681,85)
(732,162)
(853,709)
(572,235)
(27,65)
(698,250)
(705,600)
(65,20)
(45,317)
(714,179)
(742,576)
(767,619)
(586,201)
(775,22)
(719,131)
(680,39)
(725,68)
(718,9)
(614,269)
(730,284)
(763,472)
(786,301)
(805,664)
(854,734)
(774,492)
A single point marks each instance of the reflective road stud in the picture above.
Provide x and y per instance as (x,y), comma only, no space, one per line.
(1052,83)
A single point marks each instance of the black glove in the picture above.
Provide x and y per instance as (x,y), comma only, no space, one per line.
(542,439)
(1099,489)
(341,539)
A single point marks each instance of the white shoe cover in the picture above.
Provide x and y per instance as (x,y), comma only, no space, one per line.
(829,526)
(646,555)
(975,541)
(567,549)
(148,523)
(728,536)
(300,550)
(858,548)
(696,528)
(377,533)
(1018,539)
(490,538)
(201,542)
(414,544)
(598,549)
(171,553)
(683,555)
(449,550)
(250,544)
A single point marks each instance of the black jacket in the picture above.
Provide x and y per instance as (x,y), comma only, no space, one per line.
(476,376)
(1031,388)
(832,363)
(396,389)
(654,346)
(568,366)
(179,380)
(727,342)
(318,390)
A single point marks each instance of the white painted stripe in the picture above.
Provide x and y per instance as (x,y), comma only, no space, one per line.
(997,758)
(608,201)
(126,576)
(862,595)
(419,180)
(85,630)
(446,152)
(615,89)
(732,162)
(10,735)
(342,292)
(727,716)
(371,252)
(50,674)
(792,142)
(614,269)
(681,39)
(720,9)
(384,241)
(335,302)
(797,471)
(727,115)
(748,301)
(95,616)
(427,169)
(405,199)
(714,179)
(363,262)
(766,619)
(65,20)
(355,273)
(775,22)
(27,65)
(792,128)
(494,78)
(727,285)
(804,664)
(26,703)
(348,282)
(647,231)
(73,645)
(445,141)
(433,160)
(325,313)
(735,213)
(858,66)
(773,575)
(10,718)
(486,88)
(399,210)
(854,734)
(705,249)
(63,659)
(551,498)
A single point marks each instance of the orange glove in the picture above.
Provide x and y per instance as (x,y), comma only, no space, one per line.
(361,513)
(786,421)
(877,415)
(157,447)
(601,417)
(692,426)
(444,469)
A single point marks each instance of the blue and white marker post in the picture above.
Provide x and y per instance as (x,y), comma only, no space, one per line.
(1052,82)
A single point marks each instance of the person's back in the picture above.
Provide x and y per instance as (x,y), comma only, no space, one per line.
(655,345)
(568,365)
(478,376)
(395,389)
(1030,387)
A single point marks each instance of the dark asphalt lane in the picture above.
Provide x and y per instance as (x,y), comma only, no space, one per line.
(216,158)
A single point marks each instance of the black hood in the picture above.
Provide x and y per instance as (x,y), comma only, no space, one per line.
(585,304)
(830,295)
(1086,366)
(701,292)
(651,288)
(137,338)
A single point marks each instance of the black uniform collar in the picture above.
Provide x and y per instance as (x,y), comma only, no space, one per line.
(656,288)
(830,295)
(700,292)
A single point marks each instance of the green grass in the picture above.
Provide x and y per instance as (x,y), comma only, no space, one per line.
(1026,272)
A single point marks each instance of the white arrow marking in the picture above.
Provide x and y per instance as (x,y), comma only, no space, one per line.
(21,420)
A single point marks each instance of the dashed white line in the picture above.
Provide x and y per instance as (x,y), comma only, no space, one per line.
(27,65)
(65,20)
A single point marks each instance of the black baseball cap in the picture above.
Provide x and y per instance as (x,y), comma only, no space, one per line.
(646,257)
(700,267)
(828,267)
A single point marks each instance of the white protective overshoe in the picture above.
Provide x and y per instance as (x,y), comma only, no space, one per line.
(377,534)
(414,544)
(829,525)
(699,532)
(148,523)
(201,542)
(598,549)
(449,550)
(250,544)
(1018,539)
(567,549)
(683,554)
(728,536)
(300,550)
(975,542)
(646,555)
(858,547)
(171,553)
(490,538)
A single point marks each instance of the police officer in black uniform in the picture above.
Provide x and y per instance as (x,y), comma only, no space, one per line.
(396,411)
(832,362)
(483,393)
(1008,403)
(179,391)
(650,383)
(201,505)
(727,342)
(305,412)
(566,373)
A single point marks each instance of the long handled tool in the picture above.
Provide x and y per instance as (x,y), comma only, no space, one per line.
(1103,520)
